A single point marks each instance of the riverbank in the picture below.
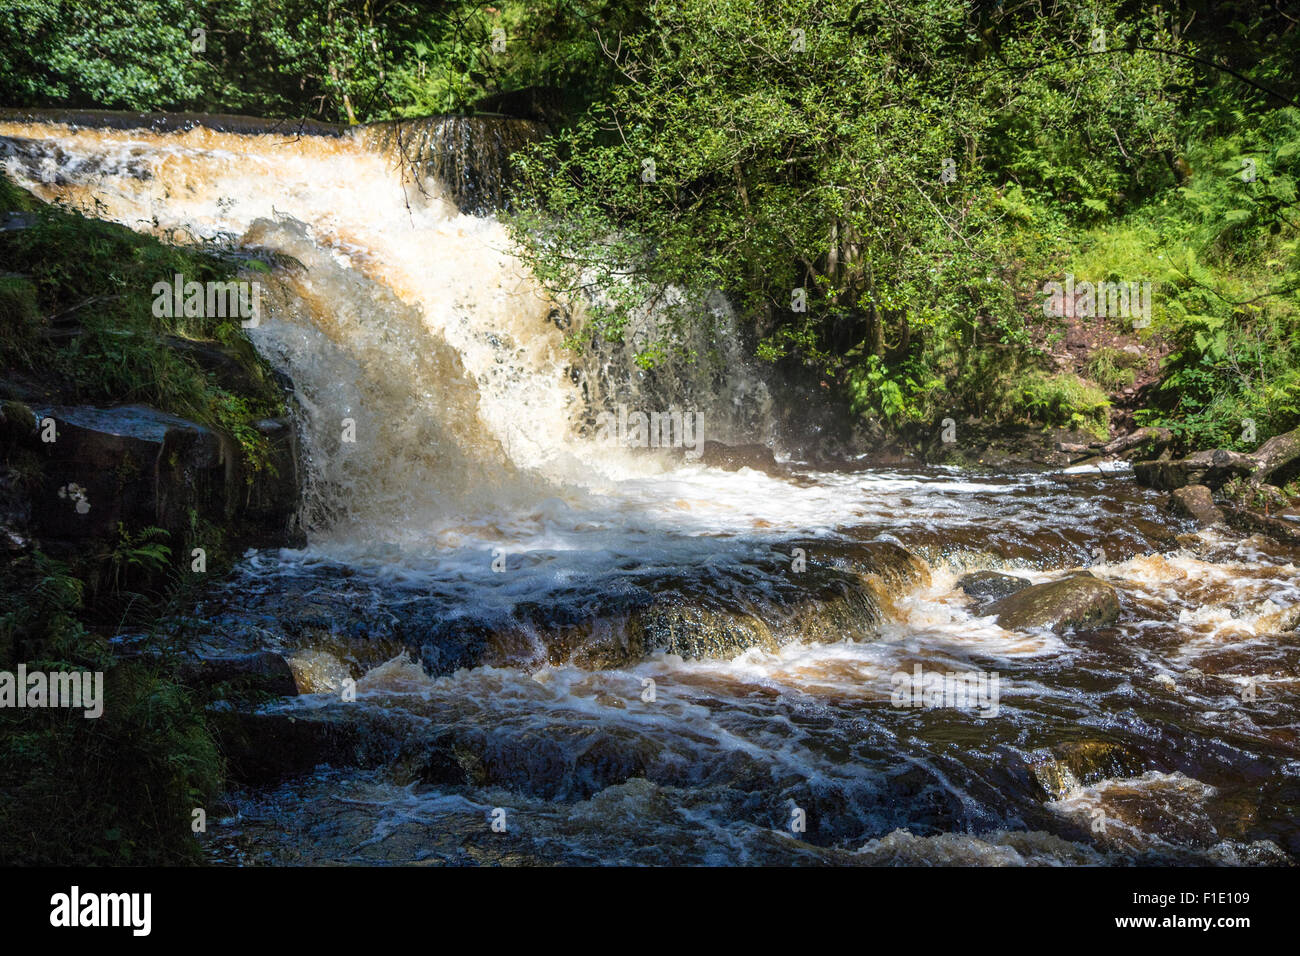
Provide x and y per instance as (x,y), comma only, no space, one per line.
(139,456)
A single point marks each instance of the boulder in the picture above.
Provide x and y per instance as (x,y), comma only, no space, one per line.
(736,457)
(562,762)
(694,629)
(260,672)
(991,585)
(1251,522)
(1077,601)
(271,502)
(136,466)
(1196,502)
(130,464)
(265,747)
(1082,763)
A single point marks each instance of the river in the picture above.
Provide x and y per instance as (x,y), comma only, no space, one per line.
(523,643)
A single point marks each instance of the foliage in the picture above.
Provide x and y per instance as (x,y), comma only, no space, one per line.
(80,312)
(114,55)
(118,789)
(339,60)
(840,193)
(1112,369)
(77,315)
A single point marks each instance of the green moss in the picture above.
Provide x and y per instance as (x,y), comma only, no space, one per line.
(78,312)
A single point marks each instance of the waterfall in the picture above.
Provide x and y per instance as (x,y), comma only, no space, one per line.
(393,308)
(467,156)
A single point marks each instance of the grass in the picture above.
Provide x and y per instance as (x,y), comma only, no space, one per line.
(1113,369)
(76,309)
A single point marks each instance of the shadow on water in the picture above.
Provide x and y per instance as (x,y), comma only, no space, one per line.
(1124,744)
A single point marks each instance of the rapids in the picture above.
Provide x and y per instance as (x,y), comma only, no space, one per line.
(619,648)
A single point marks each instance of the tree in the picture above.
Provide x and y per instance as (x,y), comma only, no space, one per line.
(828,166)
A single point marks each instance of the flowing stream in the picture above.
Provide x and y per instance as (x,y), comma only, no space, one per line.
(629,656)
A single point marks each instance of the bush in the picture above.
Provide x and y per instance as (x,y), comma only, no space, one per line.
(118,789)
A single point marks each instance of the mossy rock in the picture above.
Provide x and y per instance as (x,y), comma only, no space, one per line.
(1083,763)
(1080,600)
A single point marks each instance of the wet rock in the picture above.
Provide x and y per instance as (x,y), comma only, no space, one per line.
(262,672)
(1077,601)
(1083,763)
(735,457)
(841,590)
(445,646)
(1211,468)
(689,626)
(852,610)
(455,759)
(614,758)
(566,762)
(993,848)
(264,747)
(136,467)
(130,464)
(819,604)
(1251,522)
(1196,502)
(318,671)
(991,585)
(884,561)
(694,630)
(756,596)
(268,508)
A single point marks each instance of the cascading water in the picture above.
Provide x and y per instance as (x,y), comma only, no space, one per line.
(622,649)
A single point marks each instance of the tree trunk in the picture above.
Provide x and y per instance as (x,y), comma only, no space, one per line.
(876,332)
(1274,454)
